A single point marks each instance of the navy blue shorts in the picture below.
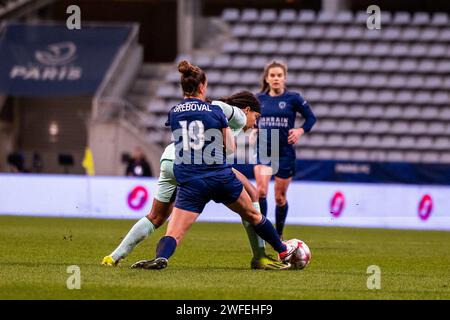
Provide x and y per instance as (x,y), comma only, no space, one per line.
(195,194)
(286,168)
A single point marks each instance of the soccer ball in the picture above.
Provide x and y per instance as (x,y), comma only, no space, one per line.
(302,256)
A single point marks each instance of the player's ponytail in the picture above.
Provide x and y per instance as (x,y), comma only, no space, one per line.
(273,64)
(242,100)
(191,77)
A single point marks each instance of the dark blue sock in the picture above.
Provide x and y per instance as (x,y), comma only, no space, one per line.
(267,232)
(166,247)
(263,206)
(280,218)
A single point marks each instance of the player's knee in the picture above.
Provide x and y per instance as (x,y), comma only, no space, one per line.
(157,221)
(280,199)
(262,192)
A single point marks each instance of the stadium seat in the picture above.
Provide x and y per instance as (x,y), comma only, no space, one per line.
(231,77)
(230,15)
(221,61)
(231,46)
(353,33)
(437,128)
(402,18)
(388,142)
(296,63)
(334,63)
(421,19)
(353,141)
(342,154)
(445,157)
(268,47)
(378,81)
(404,97)
(305,154)
(294,32)
(375,111)
(287,16)
(344,17)
(430,157)
(306,16)
(258,62)
(357,81)
(428,34)
(278,31)
(204,61)
(363,126)
(371,141)
(412,156)
(343,48)
(287,47)
(250,46)
(406,142)
(334,33)
(258,31)
(394,156)
(400,127)
(381,127)
(440,19)
(410,34)
(360,155)
(240,30)
(444,35)
(393,112)
(325,48)
(268,16)
(305,79)
(316,32)
(418,128)
(249,15)
(338,110)
(323,80)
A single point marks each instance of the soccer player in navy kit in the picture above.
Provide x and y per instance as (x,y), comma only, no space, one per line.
(202,137)
(279,109)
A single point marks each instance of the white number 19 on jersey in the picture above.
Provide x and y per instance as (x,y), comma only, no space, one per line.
(191,138)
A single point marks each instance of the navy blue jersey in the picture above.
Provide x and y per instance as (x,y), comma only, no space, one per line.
(197,129)
(279,112)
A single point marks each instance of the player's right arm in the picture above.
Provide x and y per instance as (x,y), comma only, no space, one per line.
(235,116)
(228,141)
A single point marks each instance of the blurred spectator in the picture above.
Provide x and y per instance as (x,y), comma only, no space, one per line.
(138,165)
(37,162)
(16,162)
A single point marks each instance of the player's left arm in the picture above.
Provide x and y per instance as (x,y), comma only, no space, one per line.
(304,109)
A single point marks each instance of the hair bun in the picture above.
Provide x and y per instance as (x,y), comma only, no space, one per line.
(184,67)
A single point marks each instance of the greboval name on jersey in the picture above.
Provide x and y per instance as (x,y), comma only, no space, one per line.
(189,106)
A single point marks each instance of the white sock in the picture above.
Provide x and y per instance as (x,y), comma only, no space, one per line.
(261,242)
(138,233)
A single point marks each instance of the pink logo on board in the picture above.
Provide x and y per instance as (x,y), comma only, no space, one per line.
(337,204)
(425,207)
(137,198)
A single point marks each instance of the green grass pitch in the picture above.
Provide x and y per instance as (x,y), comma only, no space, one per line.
(213,263)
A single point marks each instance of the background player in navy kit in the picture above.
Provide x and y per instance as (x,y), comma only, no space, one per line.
(202,137)
(279,108)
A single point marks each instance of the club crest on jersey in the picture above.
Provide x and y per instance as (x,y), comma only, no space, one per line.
(282,105)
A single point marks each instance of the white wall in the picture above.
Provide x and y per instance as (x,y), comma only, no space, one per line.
(310,203)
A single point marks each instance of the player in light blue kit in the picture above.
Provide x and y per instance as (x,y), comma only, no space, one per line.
(279,108)
(202,137)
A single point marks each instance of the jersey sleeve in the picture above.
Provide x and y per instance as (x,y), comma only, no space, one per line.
(236,117)
(303,107)
(223,121)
